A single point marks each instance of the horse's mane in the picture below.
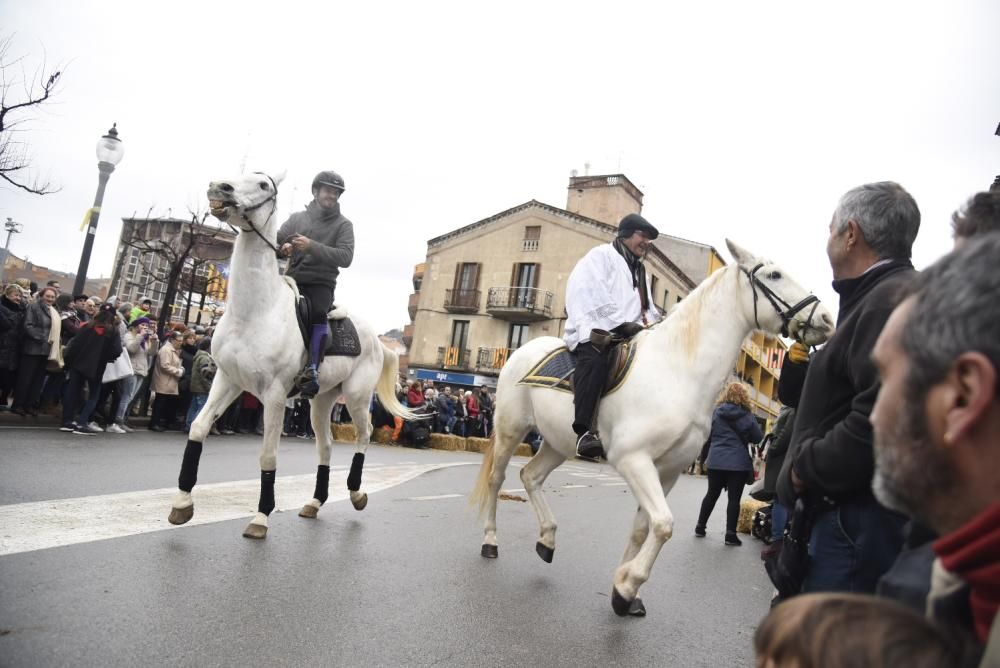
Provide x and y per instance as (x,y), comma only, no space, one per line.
(683,322)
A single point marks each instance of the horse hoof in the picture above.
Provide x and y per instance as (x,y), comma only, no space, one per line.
(637,609)
(489,551)
(181,515)
(309,512)
(255,531)
(618,602)
(360,503)
(546,553)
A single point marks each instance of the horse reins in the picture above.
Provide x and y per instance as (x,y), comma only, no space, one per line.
(789,312)
(243,213)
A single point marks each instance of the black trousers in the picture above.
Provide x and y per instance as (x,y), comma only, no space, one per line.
(320,300)
(731,480)
(30,374)
(588,383)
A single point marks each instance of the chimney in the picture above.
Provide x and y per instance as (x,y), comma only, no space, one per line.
(607,198)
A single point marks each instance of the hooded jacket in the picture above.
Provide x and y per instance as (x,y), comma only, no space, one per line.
(733,428)
(831,446)
(331,248)
(93,347)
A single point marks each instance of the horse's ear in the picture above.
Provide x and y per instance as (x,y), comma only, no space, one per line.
(278,176)
(743,257)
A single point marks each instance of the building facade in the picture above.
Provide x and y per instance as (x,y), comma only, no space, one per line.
(487,288)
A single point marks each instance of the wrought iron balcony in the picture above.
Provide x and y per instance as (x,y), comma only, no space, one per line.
(491,360)
(520,304)
(451,357)
(461,301)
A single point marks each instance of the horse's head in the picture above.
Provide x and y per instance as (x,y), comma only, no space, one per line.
(245,196)
(779,304)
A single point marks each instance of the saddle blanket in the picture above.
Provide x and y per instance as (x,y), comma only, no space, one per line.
(556,369)
(343,339)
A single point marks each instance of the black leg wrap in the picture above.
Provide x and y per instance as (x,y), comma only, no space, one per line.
(354,479)
(322,483)
(189,466)
(266,504)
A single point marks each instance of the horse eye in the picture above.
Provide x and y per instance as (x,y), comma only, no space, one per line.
(263,185)
(774,275)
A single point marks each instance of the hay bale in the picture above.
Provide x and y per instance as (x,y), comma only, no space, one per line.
(524,450)
(344,432)
(447,442)
(382,435)
(474,444)
(748,507)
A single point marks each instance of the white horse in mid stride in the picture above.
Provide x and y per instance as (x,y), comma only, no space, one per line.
(258,349)
(653,426)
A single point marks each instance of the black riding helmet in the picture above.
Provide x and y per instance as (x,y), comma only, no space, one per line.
(328,178)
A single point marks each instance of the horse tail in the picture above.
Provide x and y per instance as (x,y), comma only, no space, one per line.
(480,493)
(385,390)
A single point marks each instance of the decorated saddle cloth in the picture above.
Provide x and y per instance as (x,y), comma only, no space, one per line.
(556,369)
(343,338)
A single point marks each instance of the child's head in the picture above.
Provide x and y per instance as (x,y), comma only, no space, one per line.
(840,630)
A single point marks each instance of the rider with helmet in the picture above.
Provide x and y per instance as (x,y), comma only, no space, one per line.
(607,293)
(319,240)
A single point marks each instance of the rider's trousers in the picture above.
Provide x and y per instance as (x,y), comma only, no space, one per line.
(320,300)
(588,383)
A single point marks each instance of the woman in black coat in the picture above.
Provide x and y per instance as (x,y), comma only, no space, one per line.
(35,349)
(95,345)
(729,465)
(11,321)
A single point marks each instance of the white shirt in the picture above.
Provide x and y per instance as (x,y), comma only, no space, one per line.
(599,295)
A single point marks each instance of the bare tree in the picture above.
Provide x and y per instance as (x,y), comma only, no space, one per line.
(172,255)
(20,95)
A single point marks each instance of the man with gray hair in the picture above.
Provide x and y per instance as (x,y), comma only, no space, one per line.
(937,428)
(830,463)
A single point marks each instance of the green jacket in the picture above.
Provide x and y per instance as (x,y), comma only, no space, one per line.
(202,372)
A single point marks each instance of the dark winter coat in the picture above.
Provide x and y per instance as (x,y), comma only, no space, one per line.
(37,326)
(71,324)
(733,428)
(446,405)
(831,446)
(92,349)
(11,322)
(188,352)
(331,247)
(202,372)
(781,436)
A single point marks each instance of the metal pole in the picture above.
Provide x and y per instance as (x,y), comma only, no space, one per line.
(12,228)
(105,169)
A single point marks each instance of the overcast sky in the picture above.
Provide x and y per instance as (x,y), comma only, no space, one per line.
(741,120)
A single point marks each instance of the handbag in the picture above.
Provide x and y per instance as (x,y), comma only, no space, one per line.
(120,368)
(787,570)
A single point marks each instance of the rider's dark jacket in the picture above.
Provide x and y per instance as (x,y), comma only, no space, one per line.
(331,247)
(831,446)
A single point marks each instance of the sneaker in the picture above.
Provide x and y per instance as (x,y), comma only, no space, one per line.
(96,428)
(124,427)
(115,428)
(589,447)
(68,427)
(699,530)
(86,430)
(733,539)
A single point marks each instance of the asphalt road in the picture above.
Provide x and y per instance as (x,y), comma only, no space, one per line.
(398,584)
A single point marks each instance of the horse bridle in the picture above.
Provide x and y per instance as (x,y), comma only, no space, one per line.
(273,198)
(784,310)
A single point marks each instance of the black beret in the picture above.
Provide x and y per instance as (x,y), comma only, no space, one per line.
(635,223)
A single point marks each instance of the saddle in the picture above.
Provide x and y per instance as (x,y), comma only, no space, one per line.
(556,369)
(343,338)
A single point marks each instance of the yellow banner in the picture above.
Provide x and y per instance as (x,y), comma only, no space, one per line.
(86,216)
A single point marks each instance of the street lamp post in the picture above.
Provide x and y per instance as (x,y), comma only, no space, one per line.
(109,154)
(12,228)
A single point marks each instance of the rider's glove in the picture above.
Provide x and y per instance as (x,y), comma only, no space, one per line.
(798,353)
(627,329)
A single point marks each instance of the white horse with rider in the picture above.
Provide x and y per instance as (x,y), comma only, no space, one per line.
(258,349)
(653,426)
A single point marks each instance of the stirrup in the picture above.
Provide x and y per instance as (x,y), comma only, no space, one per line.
(307,382)
(589,446)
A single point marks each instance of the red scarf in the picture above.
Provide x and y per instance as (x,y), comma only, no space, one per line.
(972,552)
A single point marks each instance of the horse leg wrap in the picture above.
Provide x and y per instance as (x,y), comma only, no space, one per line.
(322,483)
(354,479)
(189,466)
(266,504)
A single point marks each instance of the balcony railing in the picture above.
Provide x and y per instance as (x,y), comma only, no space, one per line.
(461,301)
(452,357)
(515,303)
(529,244)
(491,360)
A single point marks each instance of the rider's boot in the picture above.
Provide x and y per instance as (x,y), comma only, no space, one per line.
(308,380)
(589,446)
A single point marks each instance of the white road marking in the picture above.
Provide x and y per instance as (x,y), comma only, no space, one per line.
(43,524)
(434,498)
(612,484)
(568,486)
(512,491)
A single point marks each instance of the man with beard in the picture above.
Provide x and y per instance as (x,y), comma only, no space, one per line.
(320,241)
(937,429)
(607,293)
